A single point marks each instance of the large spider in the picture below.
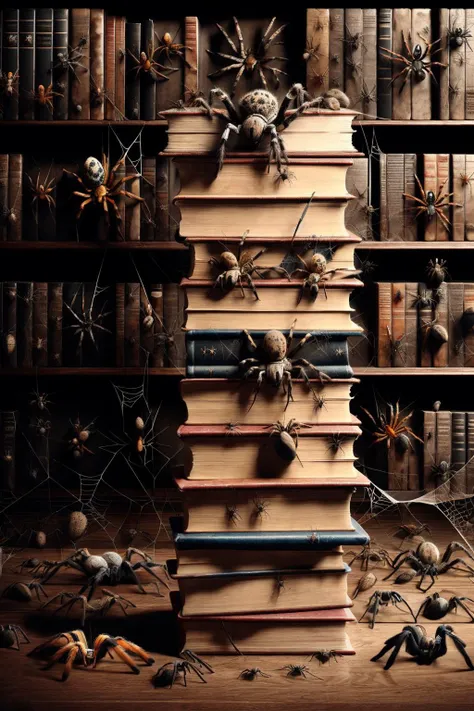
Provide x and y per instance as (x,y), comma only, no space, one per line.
(426,560)
(415,61)
(71,647)
(315,272)
(103,185)
(424,649)
(247,59)
(393,428)
(277,363)
(240,267)
(384,598)
(370,553)
(108,568)
(432,204)
(258,114)
(435,607)
(94,608)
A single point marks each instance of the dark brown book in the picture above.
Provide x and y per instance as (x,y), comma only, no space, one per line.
(398,330)
(110,67)
(443,438)
(120,325)
(354,68)
(395,175)
(458,453)
(173,320)
(148,193)
(170,91)
(411,325)
(425,318)
(336,48)
(60,71)
(10,324)
(441,351)
(40,324)
(369,63)
(384,351)
(55,324)
(132,70)
(148,80)
(43,62)
(461,194)
(132,207)
(469,69)
(442,183)
(156,301)
(15,196)
(429,449)
(80,19)
(132,325)
(430,183)
(122,201)
(191,40)
(410,222)
(455,312)
(317,49)
(468,200)
(97,55)
(10,60)
(8,441)
(4,199)
(401,98)
(470,453)
(384,65)
(44,211)
(469,337)
(162,213)
(24,324)
(120,63)
(26,64)
(147,334)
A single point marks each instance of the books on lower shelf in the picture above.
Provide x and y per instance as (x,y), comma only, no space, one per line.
(449,451)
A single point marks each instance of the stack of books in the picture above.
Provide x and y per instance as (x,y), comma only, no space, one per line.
(259,561)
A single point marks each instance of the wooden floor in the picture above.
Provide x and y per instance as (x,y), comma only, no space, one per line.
(352,683)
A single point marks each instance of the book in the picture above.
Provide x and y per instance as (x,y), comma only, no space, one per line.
(397,468)
(60,72)
(111,60)
(461,194)
(430,438)
(411,325)
(169,91)
(79,29)
(401,97)
(40,324)
(237,592)
(317,39)
(173,318)
(120,67)
(457,69)
(132,69)
(369,62)
(147,334)
(210,308)
(425,318)
(214,401)
(358,217)
(4,197)
(469,336)
(97,56)
(354,33)
(455,312)
(443,57)
(444,437)
(410,223)
(420,90)
(25,324)
(26,64)
(252,452)
(132,324)
(384,63)
(55,323)
(384,325)
(458,452)
(469,113)
(398,330)
(469,471)
(43,60)
(441,350)
(10,324)
(156,301)
(10,60)
(162,199)
(270,505)
(72,294)
(132,207)
(15,196)
(397,218)
(7,448)
(148,193)
(468,200)
(191,41)
(271,633)
(120,325)
(147,79)
(443,181)
(336,48)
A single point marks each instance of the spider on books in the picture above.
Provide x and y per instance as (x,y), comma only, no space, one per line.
(392,428)
(432,205)
(415,61)
(170,48)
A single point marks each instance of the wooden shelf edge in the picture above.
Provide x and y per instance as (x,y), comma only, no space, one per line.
(408,372)
(86,371)
(412,122)
(24,245)
(87,122)
(414,245)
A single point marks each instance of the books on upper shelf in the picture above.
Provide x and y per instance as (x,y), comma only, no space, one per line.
(456,88)
(449,439)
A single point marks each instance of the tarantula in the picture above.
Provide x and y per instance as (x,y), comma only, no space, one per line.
(71,647)
(240,267)
(246,60)
(415,64)
(384,598)
(370,554)
(102,185)
(277,362)
(108,568)
(286,443)
(168,674)
(258,114)
(432,204)
(427,561)
(315,272)
(95,608)
(434,607)
(442,472)
(424,649)
(393,429)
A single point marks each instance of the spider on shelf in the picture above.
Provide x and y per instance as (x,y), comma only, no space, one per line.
(432,205)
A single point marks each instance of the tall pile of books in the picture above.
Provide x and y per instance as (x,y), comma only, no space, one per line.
(259,561)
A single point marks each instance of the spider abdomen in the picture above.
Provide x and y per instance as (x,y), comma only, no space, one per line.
(285,447)
(112,558)
(253,127)
(94,563)
(274,345)
(260,101)
(428,553)
(94,171)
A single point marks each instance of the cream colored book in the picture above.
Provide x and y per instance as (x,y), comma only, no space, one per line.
(220,401)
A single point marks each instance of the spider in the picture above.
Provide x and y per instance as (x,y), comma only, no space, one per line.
(239,268)
(44,96)
(258,114)
(286,443)
(23,592)
(370,554)
(424,649)
(71,59)
(246,60)
(392,428)
(277,363)
(72,647)
(193,99)
(103,185)
(42,427)
(295,670)
(231,513)
(427,561)
(41,400)
(251,674)
(232,429)
(170,48)
(108,568)
(434,607)
(315,272)
(411,530)
(325,655)
(79,438)
(9,82)
(42,190)
(384,598)
(442,472)
(436,272)
(94,608)
(86,321)
(336,440)
(457,36)
(414,62)
(10,635)
(424,299)
(146,63)
(312,52)
(354,41)
(432,204)
(167,674)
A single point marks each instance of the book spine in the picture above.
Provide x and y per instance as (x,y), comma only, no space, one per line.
(384,67)
(354,28)
(122,222)
(147,335)
(60,72)
(458,452)
(120,64)
(443,57)
(430,178)
(162,199)
(384,231)
(336,48)
(11,60)
(120,325)
(191,41)
(132,208)
(369,57)
(72,294)
(410,223)
(132,75)
(398,331)
(420,90)
(456,309)
(110,66)
(80,81)
(395,199)
(429,449)
(469,337)
(441,353)
(461,194)
(173,317)
(55,322)
(411,325)
(40,324)
(384,352)
(5,203)
(43,62)
(132,325)
(26,63)
(444,437)
(148,193)
(357,217)
(425,319)
(468,200)
(401,98)
(317,63)
(10,349)
(45,210)
(15,196)
(147,80)
(398,468)
(8,421)
(156,300)
(2,347)
(25,324)
(469,112)
(470,453)
(457,70)
(97,50)
(442,232)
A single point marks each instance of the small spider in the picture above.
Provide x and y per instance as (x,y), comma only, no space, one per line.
(312,52)
(433,205)
(9,83)
(457,36)
(71,60)
(424,299)
(232,429)
(169,48)
(251,674)
(466,180)
(368,96)
(10,635)
(436,272)
(411,530)
(370,554)
(393,429)
(145,64)
(41,400)
(384,598)
(44,96)
(43,427)
(441,472)
(319,401)
(260,508)
(170,672)
(336,441)
(315,272)
(296,670)
(286,443)
(42,190)
(396,346)
(325,655)
(231,514)
(415,62)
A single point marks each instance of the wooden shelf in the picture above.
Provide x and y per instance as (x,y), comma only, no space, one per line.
(88,122)
(406,123)
(24,245)
(408,372)
(414,245)
(117,372)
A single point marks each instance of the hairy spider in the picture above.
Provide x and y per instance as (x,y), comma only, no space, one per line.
(424,299)
(411,530)
(370,553)
(10,635)
(312,51)
(246,60)
(431,204)
(368,96)
(325,655)
(286,443)
(193,99)
(170,48)
(457,36)
(336,441)
(315,272)
(442,471)
(145,63)
(424,649)
(277,362)
(44,96)
(42,190)
(71,60)
(426,560)
(435,607)
(392,428)
(295,670)
(252,673)
(231,513)
(436,272)
(466,180)
(94,608)
(353,41)
(260,508)
(319,401)
(415,62)
(384,598)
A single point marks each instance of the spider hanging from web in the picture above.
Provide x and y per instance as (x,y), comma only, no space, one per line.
(87,321)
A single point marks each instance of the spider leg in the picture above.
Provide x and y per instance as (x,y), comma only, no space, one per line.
(396,643)
(289,397)
(433,581)
(194,668)
(444,567)
(408,607)
(237,79)
(460,646)
(133,575)
(229,40)
(223,143)
(148,567)
(135,649)
(252,286)
(465,607)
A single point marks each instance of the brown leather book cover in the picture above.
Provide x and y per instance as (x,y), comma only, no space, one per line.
(97,74)
(110,67)
(80,81)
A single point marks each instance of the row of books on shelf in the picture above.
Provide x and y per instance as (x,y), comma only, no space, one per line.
(81,324)
(37,203)
(81,63)
(449,450)
(421,326)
